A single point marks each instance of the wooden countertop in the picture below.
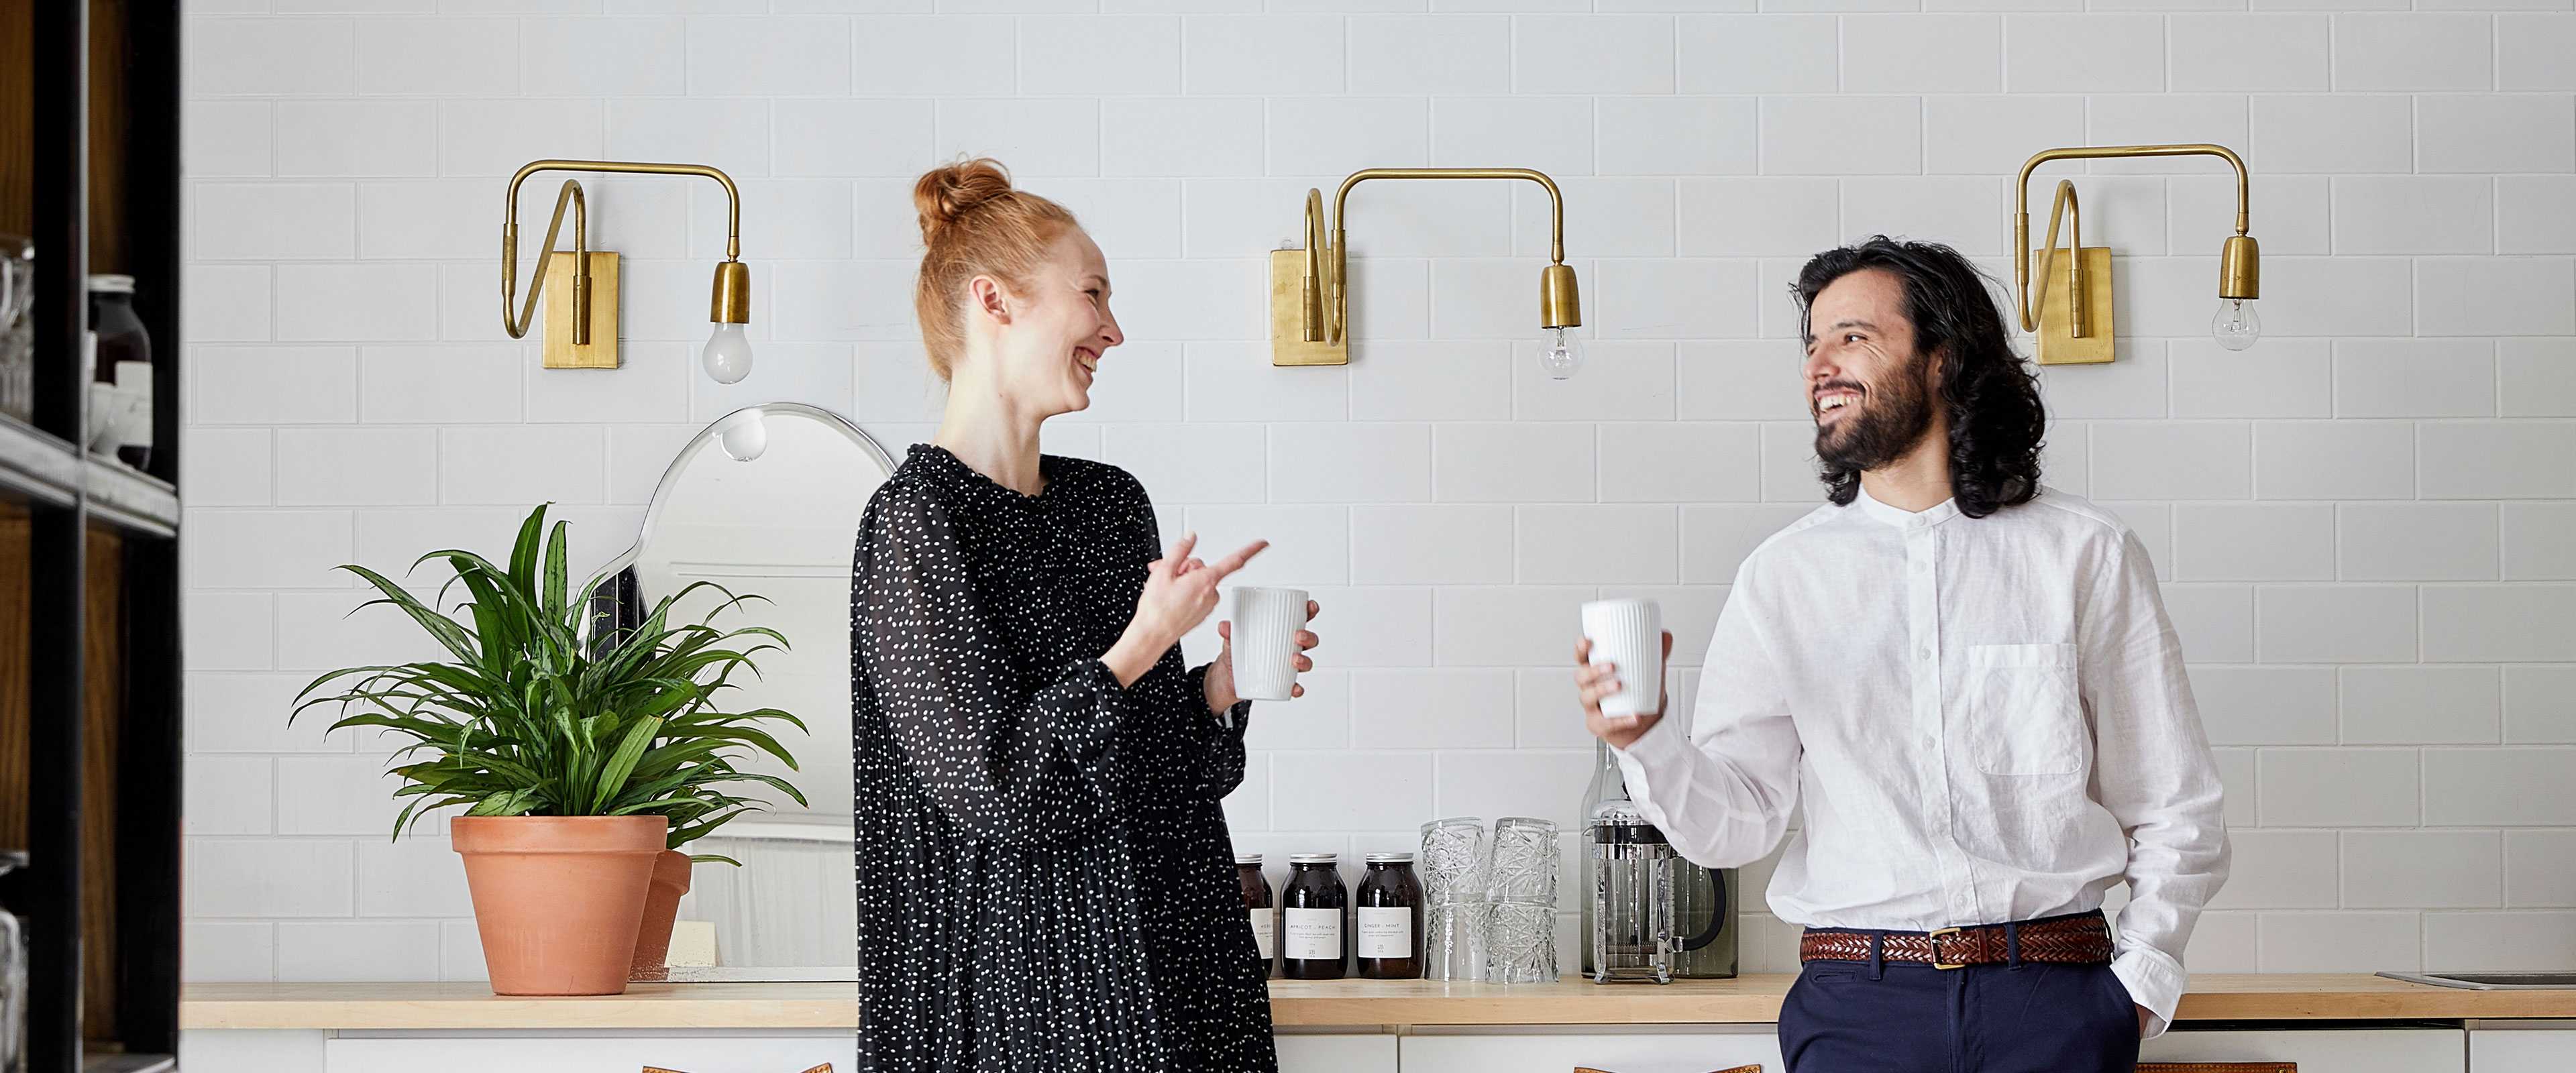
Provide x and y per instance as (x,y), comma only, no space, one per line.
(1745,1000)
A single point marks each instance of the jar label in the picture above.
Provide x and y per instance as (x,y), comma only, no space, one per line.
(1263,932)
(1386,933)
(1314,934)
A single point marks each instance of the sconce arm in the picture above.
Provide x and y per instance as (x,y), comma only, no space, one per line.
(571,192)
(2063,206)
(2065,200)
(518,327)
(1329,266)
(2021,189)
(1318,326)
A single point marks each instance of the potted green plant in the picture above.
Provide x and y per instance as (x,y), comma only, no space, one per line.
(582,762)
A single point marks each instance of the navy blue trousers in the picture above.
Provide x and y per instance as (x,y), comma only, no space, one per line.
(1903,1017)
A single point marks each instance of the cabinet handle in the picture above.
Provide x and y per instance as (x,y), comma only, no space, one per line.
(824,1068)
(2218,1067)
(1754,1068)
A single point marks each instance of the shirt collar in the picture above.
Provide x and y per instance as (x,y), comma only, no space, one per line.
(1906,519)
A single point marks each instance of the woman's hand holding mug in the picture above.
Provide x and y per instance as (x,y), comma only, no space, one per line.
(1180,592)
(1221,693)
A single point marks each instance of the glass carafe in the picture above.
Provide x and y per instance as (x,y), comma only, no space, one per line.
(1606,783)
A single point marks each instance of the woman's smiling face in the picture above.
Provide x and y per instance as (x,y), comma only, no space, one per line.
(1050,339)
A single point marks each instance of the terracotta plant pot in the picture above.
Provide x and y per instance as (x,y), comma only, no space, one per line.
(558,898)
(670,881)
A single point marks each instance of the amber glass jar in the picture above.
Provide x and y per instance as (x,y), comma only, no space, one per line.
(1387,919)
(1258,908)
(1312,945)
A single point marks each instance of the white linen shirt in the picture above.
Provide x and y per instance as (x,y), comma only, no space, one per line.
(1987,720)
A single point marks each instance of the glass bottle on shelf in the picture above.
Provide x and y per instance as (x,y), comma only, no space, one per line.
(122,364)
(13,980)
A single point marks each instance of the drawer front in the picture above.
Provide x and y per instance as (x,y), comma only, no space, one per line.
(2523,1048)
(1336,1054)
(1626,1052)
(2394,1050)
(611,1054)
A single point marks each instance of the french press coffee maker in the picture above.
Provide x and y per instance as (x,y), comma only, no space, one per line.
(1653,916)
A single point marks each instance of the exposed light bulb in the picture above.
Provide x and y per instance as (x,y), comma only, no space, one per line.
(2236,327)
(728,354)
(1560,352)
(743,434)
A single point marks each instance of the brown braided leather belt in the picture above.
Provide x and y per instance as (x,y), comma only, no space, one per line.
(2069,940)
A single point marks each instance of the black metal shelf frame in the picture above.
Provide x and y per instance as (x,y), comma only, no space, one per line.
(71,496)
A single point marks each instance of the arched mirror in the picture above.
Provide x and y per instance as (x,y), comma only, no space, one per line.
(767,502)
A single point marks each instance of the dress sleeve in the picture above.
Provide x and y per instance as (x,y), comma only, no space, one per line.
(1004,763)
(1210,743)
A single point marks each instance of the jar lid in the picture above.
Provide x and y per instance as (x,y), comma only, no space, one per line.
(1247,858)
(1390,858)
(1314,858)
(111,284)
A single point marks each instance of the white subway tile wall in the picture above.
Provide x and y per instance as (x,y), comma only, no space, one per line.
(2363,523)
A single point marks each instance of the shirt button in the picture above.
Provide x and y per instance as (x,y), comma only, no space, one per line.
(1923,568)
(1930,742)
(1925,653)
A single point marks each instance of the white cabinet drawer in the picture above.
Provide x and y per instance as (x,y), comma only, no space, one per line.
(1640,1051)
(1341,1053)
(2393,1050)
(2523,1047)
(625,1053)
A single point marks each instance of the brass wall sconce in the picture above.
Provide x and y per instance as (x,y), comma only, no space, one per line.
(1310,299)
(2078,329)
(581,320)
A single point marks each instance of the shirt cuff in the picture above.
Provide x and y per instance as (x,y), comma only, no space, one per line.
(2155,980)
(1653,760)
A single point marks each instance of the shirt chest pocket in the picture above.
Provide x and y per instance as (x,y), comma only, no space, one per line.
(2022,711)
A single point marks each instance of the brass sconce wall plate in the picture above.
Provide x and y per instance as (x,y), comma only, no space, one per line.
(601,351)
(1309,287)
(2071,313)
(2057,343)
(1288,345)
(581,308)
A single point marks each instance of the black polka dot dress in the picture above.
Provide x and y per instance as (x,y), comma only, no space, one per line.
(1045,878)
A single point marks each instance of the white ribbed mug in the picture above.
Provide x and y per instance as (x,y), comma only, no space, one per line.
(1630,635)
(1266,621)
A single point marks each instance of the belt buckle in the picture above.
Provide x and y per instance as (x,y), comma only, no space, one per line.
(1934,939)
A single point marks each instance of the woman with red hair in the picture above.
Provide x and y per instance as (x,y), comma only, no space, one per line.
(1045,876)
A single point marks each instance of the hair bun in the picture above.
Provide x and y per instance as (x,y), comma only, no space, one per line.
(944,195)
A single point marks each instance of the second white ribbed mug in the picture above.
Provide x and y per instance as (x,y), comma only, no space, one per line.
(1630,635)
(1266,621)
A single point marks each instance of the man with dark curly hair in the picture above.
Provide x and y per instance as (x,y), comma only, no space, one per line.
(1969,682)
